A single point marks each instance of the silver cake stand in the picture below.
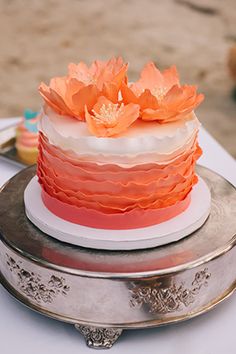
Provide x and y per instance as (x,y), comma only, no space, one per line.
(104,292)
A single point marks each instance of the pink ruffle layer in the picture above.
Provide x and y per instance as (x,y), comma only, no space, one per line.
(133,219)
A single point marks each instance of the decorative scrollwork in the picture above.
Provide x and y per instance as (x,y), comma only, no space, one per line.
(162,299)
(97,337)
(32,285)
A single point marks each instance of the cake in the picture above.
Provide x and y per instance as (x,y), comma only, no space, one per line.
(115,155)
(27,137)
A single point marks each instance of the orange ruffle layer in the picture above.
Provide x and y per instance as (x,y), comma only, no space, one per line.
(112,189)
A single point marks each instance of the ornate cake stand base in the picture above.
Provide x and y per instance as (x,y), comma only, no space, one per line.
(104,292)
(99,338)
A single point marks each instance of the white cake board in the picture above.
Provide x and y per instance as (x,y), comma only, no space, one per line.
(147,237)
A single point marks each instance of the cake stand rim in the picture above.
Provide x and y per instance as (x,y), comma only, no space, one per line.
(125,275)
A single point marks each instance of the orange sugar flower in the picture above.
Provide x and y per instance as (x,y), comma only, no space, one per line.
(70,94)
(108,118)
(176,104)
(160,95)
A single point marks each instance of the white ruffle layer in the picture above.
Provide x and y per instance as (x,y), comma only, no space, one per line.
(143,142)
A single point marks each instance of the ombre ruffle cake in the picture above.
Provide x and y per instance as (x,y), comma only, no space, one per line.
(114,155)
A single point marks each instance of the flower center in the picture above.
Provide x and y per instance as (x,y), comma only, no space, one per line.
(108,114)
(159,92)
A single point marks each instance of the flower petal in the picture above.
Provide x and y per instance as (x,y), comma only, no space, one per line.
(160,115)
(179,98)
(111,91)
(87,96)
(170,77)
(79,71)
(55,99)
(150,78)
(147,100)
(45,92)
(120,76)
(128,95)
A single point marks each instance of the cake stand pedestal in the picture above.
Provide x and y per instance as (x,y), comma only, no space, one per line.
(104,292)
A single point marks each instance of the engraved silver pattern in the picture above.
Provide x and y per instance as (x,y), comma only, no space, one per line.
(97,337)
(162,299)
(32,285)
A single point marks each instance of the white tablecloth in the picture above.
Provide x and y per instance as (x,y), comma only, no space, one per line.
(24,331)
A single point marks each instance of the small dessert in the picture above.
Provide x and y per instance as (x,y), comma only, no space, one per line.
(114,155)
(27,137)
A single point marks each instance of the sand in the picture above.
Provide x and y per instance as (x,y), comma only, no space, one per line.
(39,38)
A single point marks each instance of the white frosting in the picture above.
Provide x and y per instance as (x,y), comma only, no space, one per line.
(141,138)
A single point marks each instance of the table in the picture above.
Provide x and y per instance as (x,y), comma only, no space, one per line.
(24,331)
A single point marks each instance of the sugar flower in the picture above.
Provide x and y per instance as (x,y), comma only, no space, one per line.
(100,95)
(83,85)
(160,95)
(108,118)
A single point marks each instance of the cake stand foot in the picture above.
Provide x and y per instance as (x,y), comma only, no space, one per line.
(98,337)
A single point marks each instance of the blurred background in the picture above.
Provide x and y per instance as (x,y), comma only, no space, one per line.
(39,38)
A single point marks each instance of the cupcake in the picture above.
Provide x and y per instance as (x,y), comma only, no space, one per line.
(27,137)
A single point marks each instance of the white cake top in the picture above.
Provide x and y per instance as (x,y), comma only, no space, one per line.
(142,138)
